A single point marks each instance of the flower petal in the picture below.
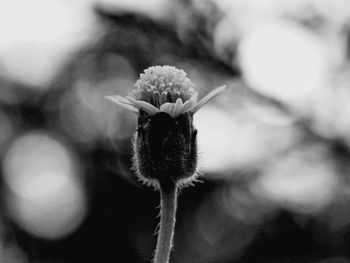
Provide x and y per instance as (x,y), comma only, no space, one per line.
(167,107)
(173,109)
(177,109)
(147,107)
(188,105)
(211,95)
(123,102)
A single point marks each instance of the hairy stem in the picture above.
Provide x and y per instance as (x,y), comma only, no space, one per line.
(168,205)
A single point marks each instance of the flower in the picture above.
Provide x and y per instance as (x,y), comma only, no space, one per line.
(165,145)
(164,89)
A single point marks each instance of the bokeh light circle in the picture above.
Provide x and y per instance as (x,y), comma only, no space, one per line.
(282,60)
(44,194)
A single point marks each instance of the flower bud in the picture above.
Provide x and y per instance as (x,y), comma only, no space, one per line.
(165,146)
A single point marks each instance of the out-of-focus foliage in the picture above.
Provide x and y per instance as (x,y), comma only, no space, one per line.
(274,150)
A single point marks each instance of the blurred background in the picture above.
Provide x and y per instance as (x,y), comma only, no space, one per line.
(275,148)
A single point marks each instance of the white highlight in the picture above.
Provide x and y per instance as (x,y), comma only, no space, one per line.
(238,141)
(45,197)
(282,60)
(215,140)
(303,182)
(39,36)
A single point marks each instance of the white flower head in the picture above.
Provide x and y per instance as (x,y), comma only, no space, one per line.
(164,89)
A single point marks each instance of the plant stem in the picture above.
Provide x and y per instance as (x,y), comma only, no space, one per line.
(168,205)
